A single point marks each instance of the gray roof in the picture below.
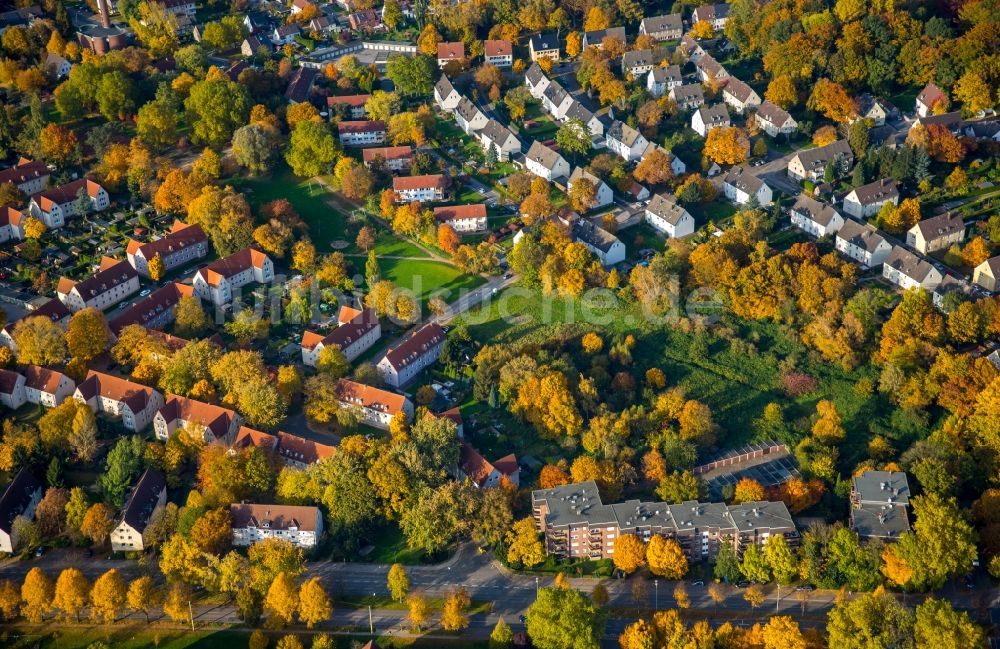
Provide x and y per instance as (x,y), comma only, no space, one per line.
(739,178)
(666,23)
(943,225)
(821,156)
(716,115)
(578,111)
(913,266)
(740,90)
(444,86)
(993,263)
(879,500)
(592,235)
(667,208)
(950,120)
(581,172)
(542,154)
(665,74)
(814,210)
(881,521)
(687,92)
(710,12)
(544,42)
(952,284)
(772,113)
(861,235)
(710,66)
(555,93)
(623,133)
(467,109)
(877,192)
(595,37)
(496,132)
(534,75)
(634,58)
(16,498)
(143,500)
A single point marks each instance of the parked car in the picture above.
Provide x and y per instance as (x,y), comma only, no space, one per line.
(698,582)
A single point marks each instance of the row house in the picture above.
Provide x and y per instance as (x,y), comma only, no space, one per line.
(483,474)
(183,244)
(29,176)
(608,248)
(20,498)
(300,525)
(669,27)
(445,95)
(361,133)
(419,350)
(420,189)
(299,452)
(499,53)
(155,311)
(500,138)
(469,118)
(862,243)
(395,158)
(815,218)
(740,96)
(936,233)
(667,216)
(12,389)
(45,387)
(544,46)
(811,164)
(53,206)
(545,162)
(741,187)
(218,281)
(690,49)
(604,195)
(708,117)
(639,63)
(449,52)
(688,96)
(879,504)
(710,71)
(111,395)
(536,81)
(625,141)
(213,423)
(661,80)
(595,38)
(464,219)
(148,497)
(11,224)
(377,406)
(907,270)
(775,120)
(576,523)
(356,332)
(114,281)
(865,201)
(353,106)
(929,99)
(987,274)
(54,310)
(716,15)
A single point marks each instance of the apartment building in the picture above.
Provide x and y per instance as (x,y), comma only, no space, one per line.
(907,270)
(543,46)
(774,120)
(499,53)
(577,524)
(377,406)
(669,27)
(135,403)
(353,106)
(12,389)
(155,311)
(114,281)
(421,189)
(183,244)
(663,79)
(669,217)
(148,496)
(361,133)
(11,224)
(214,422)
(865,201)
(936,233)
(54,206)
(421,349)
(396,158)
(299,525)
(46,387)
(20,498)
(299,452)
(811,164)
(465,219)
(815,218)
(29,176)
(356,332)
(219,281)
(862,243)
(879,503)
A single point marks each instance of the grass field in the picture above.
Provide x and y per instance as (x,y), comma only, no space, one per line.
(387,243)
(427,277)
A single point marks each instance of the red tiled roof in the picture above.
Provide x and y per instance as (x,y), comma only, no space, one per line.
(232,265)
(400,183)
(135,395)
(67,193)
(10,216)
(366,396)
(8,381)
(361,126)
(478,468)
(276,517)
(24,171)
(387,152)
(301,449)
(111,275)
(42,378)
(418,344)
(498,48)
(151,306)
(451,50)
(458,212)
(347,333)
(247,437)
(215,418)
(348,100)
(181,236)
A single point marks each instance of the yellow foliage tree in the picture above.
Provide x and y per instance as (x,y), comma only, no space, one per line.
(314,603)
(282,600)
(782,632)
(727,145)
(748,490)
(107,597)
(37,593)
(596,19)
(71,592)
(523,544)
(829,428)
(701,30)
(666,558)
(781,91)
(454,616)
(630,553)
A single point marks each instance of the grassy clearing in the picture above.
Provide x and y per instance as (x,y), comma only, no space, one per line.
(390,547)
(427,277)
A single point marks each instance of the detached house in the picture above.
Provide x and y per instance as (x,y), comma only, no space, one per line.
(299,525)
(907,270)
(213,422)
(676,164)
(448,52)
(499,53)
(361,133)
(708,117)
(184,244)
(663,79)
(46,387)
(219,281)
(606,247)
(663,28)
(687,97)
(366,20)
(815,218)
(867,200)
(20,498)
(483,474)
(862,243)
(545,163)
(928,98)
(535,80)
(445,95)
(53,206)
(595,38)
(543,45)
(421,349)
(464,219)
(11,224)
(500,138)
(352,105)
(135,403)
(716,15)
(113,282)
(396,158)
(740,96)
(300,85)
(876,109)
(378,407)
(147,498)
(774,120)
(556,101)
(741,188)
(667,216)
(252,44)
(27,175)
(469,118)
(936,233)
(625,141)
(59,66)
(419,188)
(356,332)
(604,195)
(155,311)
(12,389)
(811,164)
(987,274)
(285,34)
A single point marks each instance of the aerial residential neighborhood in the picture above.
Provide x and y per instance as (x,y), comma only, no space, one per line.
(473,323)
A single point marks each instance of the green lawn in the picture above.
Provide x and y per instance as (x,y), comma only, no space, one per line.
(387,243)
(427,277)
(308,197)
(390,547)
(716,211)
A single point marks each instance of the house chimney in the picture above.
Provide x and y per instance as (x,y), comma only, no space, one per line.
(102,8)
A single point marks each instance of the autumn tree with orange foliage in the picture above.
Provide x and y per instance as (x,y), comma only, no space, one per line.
(831,99)
(825,135)
(552,476)
(447,238)
(748,490)
(654,168)
(800,495)
(727,145)
(630,553)
(57,143)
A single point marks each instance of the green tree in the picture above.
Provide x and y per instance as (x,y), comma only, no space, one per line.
(156,124)
(871,620)
(564,618)
(411,75)
(941,545)
(573,137)
(939,626)
(754,566)
(727,564)
(311,149)
(252,145)
(216,108)
(501,637)
(121,467)
(780,559)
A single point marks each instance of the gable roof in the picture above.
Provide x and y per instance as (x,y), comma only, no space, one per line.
(596,36)
(930,95)
(742,92)
(663,74)
(590,234)
(623,133)
(49,198)
(459,212)
(151,306)
(109,277)
(354,101)
(215,418)
(467,110)
(24,171)
(478,469)
(181,236)
(542,42)
(581,172)
(370,397)
(387,153)
(940,226)
(361,126)
(42,379)
(667,208)
(451,51)
(815,211)
(416,345)
(742,180)
(346,334)
(222,269)
(710,66)
(274,517)
(444,86)
(717,114)
(772,113)
(401,183)
(498,48)
(710,12)
(98,384)
(544,156)
(303,450)
(534,74)
(687,92)
(247,437)
(16,498)
(911,265)
(821,156)
(878,191)
(143,500)
(861,235)
(496,132)
(665,23)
